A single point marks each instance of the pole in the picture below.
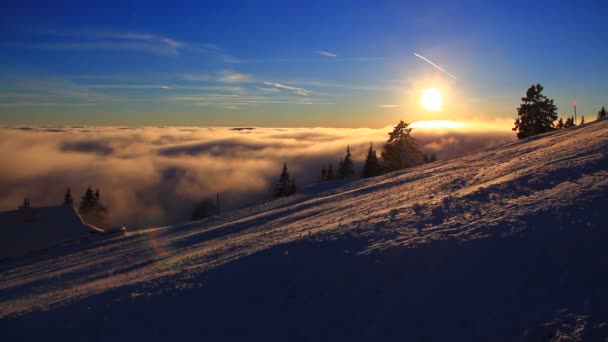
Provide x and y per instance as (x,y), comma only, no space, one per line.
(218,203)
(574,103)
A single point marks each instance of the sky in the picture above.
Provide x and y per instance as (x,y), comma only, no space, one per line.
(296,64)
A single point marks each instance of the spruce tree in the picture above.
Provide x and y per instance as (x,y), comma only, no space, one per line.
(560,123)
(347,168)
(536,114)
(88,200)
(67,198)
(401,150)
(283,185)
(582,120)
(371,167)
(602,113)
(569,122)
(426,158)
(323,174)
(433,157)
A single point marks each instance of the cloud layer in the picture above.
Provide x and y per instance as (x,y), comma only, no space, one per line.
(155,175)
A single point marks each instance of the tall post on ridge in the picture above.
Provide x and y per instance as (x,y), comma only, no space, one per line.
(574,103)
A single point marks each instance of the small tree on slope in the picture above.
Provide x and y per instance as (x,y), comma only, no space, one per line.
(536,114)
(371,168)
(602,113)
(401,150)
(347,169)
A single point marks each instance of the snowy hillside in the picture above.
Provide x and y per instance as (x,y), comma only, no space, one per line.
(502,244)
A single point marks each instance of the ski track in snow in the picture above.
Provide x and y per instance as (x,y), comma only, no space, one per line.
(462,209)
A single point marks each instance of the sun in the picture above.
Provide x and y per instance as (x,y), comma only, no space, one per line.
(431,100)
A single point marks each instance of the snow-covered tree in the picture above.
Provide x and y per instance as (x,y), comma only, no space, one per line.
(371,167)
(401,150)
(536,114)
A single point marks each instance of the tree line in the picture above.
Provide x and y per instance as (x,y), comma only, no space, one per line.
(400,151)
(538,114)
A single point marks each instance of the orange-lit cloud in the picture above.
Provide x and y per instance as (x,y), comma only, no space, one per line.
(153,175)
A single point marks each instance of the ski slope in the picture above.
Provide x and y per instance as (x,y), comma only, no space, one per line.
(507,243)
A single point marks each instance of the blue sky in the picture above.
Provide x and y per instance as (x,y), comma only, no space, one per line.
(285,63)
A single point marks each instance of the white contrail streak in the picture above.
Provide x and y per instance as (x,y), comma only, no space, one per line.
(435,65)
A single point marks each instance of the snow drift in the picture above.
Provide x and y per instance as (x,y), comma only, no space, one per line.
(502,244)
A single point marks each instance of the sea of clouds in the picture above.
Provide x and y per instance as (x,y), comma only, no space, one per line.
(150,176)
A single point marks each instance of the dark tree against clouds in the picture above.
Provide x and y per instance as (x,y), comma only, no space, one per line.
(602,113)
(401,150)
(536,114)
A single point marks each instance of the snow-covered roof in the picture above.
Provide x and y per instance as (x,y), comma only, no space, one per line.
(33,229)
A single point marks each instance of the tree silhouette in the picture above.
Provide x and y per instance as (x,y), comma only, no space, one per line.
(346,169)
(536,114)
(602,113)
(371,167)
(582,120)
(323,174)
(285,184)
(569,122)
(433,157)
(560,123)
(92,210)
(401,150)
(67,198)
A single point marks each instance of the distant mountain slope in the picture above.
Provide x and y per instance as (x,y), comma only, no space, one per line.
(507,243)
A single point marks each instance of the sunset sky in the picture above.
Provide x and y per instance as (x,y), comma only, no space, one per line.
(296,64)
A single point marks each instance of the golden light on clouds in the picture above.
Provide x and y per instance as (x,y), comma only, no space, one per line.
(431,100)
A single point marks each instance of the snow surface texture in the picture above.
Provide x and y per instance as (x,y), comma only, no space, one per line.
(38,228)
(507,243)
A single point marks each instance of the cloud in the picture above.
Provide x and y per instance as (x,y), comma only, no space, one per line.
(389,105)
(295,89)
(155,175)
(234,77)
(326,54)
(112,40)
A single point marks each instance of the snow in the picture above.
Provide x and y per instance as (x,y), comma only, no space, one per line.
(506,243)
(39,228)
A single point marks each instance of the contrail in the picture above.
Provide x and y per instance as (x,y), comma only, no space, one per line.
(435,65)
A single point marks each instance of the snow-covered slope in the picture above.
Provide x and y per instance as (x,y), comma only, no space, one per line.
(32,229)
(502,244)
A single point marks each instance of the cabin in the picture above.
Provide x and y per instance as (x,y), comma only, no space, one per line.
(32,229)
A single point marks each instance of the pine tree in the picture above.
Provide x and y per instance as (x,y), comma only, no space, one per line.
(323,174)
(536,114)
(401,150)
(371,168)
(560,123)
(330,172)
(426,158)
(433,157)
(569,122)
(92,210)
(582,120)
(67,198)
(283,185)
(340,167)
(88,200)
(347,168)
(602,113)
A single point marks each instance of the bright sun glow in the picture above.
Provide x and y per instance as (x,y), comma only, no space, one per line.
(437,124)
(431,100)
